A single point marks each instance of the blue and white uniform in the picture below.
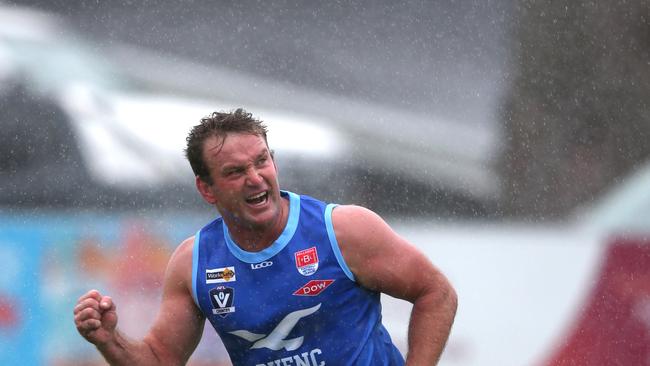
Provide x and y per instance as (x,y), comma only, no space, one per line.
(293,303)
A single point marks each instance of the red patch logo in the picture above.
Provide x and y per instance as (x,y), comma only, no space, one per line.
(307,261)
(313,287)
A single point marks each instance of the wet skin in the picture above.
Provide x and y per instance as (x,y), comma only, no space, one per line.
(244,189)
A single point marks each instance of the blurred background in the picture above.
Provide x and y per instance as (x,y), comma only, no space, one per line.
(508,140)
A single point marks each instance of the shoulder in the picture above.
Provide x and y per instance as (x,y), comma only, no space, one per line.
(354,211)
(184,250)
(362,236)
(180,263)
(379,258)
(353,222)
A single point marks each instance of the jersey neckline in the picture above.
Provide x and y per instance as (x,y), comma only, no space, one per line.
(278,244)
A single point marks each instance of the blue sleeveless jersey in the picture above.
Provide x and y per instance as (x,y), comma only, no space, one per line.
(294,303)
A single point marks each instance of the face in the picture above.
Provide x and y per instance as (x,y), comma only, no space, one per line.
(244,181)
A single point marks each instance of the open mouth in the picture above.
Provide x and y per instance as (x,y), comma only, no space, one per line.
(258,199)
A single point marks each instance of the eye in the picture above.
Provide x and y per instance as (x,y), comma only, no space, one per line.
(262,160)
(233,172)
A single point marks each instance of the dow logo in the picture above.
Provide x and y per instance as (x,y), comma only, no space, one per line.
(313,287)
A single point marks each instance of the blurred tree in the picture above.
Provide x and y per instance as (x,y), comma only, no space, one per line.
(577,116)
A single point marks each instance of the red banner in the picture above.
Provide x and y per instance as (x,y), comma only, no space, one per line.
(614,327)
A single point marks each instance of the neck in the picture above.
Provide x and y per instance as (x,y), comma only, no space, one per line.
(255,239)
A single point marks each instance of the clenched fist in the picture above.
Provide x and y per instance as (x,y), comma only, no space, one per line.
(95,317)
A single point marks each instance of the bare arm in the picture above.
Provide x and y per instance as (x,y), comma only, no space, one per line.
(176,330)
(382,261)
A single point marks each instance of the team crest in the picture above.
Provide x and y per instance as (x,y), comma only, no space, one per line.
(222,300)
(220,275)
(307,261)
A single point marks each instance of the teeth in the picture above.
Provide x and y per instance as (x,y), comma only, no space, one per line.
(259,195)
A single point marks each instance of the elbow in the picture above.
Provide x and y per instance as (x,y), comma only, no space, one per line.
(452,299)
(159,353)
(446,296)
(438,300)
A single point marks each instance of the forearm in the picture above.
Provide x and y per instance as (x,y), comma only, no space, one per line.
(121,350)
(431,320)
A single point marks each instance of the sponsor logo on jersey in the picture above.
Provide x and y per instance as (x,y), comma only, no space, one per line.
(303,359)
(222,298)
(277,339)
(261,265)
(220,275)
(313,287)
(307,261)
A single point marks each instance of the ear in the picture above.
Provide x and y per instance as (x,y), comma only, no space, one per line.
(205,190)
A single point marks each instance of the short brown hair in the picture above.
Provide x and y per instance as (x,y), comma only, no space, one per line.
(219,124)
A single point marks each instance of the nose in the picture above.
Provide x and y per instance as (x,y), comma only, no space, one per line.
(253,177)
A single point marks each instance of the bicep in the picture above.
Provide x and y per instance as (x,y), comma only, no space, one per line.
(178,327)
(380,259)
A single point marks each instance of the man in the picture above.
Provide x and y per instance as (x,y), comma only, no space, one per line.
(284,279)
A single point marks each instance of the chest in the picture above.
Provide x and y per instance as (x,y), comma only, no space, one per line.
(237,295)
